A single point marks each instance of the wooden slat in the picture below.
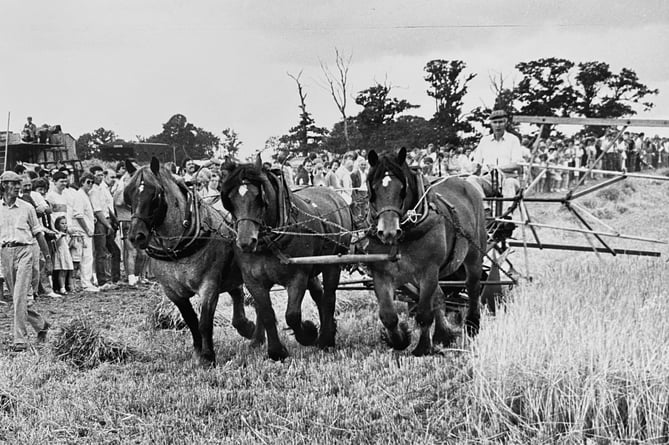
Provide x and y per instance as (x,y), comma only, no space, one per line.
(551,120)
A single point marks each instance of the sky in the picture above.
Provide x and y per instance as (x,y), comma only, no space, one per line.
(128,65)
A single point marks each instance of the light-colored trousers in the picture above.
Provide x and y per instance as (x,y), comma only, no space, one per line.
(86,264)
(510,187)
(17,265)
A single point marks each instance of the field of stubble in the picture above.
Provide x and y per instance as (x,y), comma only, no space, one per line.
(581,355)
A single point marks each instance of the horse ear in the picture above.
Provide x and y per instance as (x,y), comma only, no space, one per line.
(155,165)
(130,167)
(372,158)
(402,155)
(258,162)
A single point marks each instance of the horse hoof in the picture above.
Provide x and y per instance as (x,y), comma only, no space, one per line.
(278,355)
(246,328)
(398,341)
(255,343)
(308,334)
(421,351)
(445,339)
(206,361)
(326,342)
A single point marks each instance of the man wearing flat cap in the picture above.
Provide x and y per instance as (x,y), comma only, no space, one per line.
(19,228)
(499,151)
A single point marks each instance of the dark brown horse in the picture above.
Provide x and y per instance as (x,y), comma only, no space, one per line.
(315,221)
(438,231)
(191,246)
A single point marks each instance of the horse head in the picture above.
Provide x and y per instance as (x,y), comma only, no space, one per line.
(248,194)
(145,195)
(389,184)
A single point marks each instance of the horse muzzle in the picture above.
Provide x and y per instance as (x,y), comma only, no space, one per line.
(388,229)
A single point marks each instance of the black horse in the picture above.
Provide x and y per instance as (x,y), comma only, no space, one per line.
(315,221)
(192,252)
(437,231)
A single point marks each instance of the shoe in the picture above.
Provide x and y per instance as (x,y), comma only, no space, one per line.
(19,347)
(107,286)
(132,280)
(90,289)
(30,302)
(41,335)
(53,294)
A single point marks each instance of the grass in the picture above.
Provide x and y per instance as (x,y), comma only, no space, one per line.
(581,355)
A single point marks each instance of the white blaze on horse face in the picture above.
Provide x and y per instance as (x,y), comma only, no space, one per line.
(386,180)
(242,190)
(141,188)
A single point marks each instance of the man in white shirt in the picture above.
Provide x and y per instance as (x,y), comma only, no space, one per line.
(499,151)
(105,231)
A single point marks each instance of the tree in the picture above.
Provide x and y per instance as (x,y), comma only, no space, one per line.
(88,144)
(545,89)
(338,84)
(378,109)
(188,140)
(230,144)
(448,86)
(602,94)
(305,136)
(339,142)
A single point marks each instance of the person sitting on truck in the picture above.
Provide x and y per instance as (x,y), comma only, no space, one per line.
(29,133)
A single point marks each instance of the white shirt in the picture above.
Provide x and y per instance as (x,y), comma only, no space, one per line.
(491,153)
(81,208)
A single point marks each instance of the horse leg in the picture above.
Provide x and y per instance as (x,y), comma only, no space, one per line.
(398,335)
(190,317)
(305,332)
(258,332)
(209,294)
(474,270)
(425,311)
(267,319)
(326,339)
(443,334)
(243,325)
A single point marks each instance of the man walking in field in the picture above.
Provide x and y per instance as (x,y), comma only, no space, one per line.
(19,229)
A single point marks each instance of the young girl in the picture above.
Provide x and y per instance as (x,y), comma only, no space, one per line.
(62,260)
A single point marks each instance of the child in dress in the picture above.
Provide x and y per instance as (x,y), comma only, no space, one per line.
(62,260)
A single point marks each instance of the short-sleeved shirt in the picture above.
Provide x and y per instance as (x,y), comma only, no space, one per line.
(491,153)
(81,208)
(101,199)
(59,205)
(18,223)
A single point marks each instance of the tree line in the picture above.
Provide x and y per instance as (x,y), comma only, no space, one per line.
(547,87)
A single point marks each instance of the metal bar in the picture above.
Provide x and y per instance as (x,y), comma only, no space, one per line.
(343,259)
(441,283)
(592,232)
(597,187)
(4,161)
(535,146)
(595,122)
(606,172)
(515,198)
(577,248)
(587,226)
(523,208)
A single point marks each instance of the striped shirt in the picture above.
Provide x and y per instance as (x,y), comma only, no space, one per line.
(18,222)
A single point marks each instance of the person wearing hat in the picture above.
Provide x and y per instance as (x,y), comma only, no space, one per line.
(499,151)
(19,228)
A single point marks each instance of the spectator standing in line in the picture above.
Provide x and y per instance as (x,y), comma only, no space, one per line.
(319,175)
(343,173)
(62,260)
(331,179)
(104,246)
(19,228)
(82,230)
